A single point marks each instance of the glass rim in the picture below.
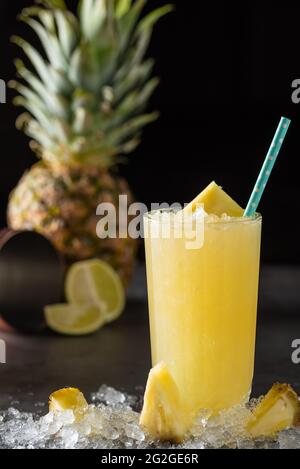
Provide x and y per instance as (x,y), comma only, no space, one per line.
(257,217)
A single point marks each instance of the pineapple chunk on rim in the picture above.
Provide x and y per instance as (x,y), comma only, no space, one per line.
(215,201)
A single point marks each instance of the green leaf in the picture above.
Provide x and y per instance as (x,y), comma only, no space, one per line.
(92,69)
(135,55)
(83,121)
(141,46)
(53,4)
(47,19)
(67,30)
(85,13)
(47,103)
(61,130)
(118,136)
(134,78)
(134,103)
(59,82)
(35,58)
(35,131)
(30,95)
(82,98)
(147,91)
(75,69)
(55,128)
(31,79)
(34,109)
(142,38)
(92,16)
(127,23)
(84,9)
(129,146)
(50,43)
(58,105)
(149,21)
(122,7)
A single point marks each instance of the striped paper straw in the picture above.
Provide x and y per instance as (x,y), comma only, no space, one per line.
(267,167)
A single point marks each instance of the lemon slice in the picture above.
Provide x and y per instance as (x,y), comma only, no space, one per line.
(95,282)
(74,319)
(68,399)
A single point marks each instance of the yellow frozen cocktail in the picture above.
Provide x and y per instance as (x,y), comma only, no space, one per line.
(203,301)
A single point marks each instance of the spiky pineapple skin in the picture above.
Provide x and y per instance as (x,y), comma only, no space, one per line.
(61,204)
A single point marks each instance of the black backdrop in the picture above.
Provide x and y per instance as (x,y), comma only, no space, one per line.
(226,72)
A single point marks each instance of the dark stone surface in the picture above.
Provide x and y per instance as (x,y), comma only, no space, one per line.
(119,354)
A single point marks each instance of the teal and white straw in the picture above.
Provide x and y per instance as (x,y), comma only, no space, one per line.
(267,167)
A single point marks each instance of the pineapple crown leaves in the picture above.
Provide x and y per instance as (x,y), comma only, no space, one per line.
(86,95)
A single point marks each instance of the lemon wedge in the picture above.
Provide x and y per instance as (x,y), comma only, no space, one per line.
(71,319)
(95,282)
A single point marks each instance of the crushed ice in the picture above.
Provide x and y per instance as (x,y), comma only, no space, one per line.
(112,421)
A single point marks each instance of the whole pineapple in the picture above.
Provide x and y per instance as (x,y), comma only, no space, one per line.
(85,100)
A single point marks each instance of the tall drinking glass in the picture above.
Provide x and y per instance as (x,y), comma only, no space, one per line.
(202,307)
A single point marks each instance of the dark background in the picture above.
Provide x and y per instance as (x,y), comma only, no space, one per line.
(226,72)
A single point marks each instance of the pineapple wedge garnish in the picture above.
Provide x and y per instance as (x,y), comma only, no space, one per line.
(68,399)
(279,409)
(215,202)
(163,415)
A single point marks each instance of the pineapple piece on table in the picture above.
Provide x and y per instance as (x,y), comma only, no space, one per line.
(215,202)
(279,409)
(68,399)
(163,415)
(86,100)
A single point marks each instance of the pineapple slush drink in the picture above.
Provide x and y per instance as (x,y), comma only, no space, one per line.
(203,304)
